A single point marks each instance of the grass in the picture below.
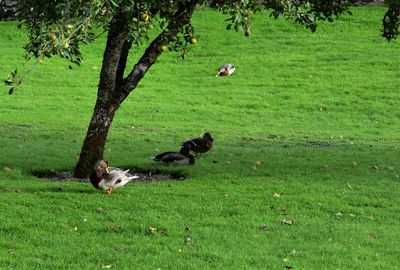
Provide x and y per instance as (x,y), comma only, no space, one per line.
(306,131)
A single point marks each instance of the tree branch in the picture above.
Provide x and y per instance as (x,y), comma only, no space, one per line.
(112,58)
(182,17)
(122,61)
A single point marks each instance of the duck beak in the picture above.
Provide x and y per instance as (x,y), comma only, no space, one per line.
(192,153)
(107,170)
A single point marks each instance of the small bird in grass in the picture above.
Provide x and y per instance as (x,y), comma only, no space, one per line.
(184,157)
(226,70)
(199,145)
(106,178)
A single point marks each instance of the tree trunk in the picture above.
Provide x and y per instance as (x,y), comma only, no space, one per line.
(113,88)
(95,140)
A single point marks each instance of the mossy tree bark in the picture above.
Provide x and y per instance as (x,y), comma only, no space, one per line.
(114,88)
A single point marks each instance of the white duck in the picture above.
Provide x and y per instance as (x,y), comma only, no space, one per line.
(106,178)
(226,70)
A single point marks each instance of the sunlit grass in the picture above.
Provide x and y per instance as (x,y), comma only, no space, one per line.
(306,131)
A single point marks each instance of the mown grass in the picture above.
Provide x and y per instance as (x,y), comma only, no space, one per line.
(306,131)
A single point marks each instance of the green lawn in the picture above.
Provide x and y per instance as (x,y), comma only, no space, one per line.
(306,133)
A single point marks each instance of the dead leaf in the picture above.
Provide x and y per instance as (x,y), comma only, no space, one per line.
(353,163)
(152,230)
(276,195)
(258,162)
(287,222)
(264,227)
(7,169)
(112,228)
(339,214)
(188,240)
(375,167)
(324,166)
(99,210)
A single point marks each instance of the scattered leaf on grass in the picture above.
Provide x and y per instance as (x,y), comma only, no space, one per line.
(16,190)
(258,162)
(375,167)
(287,222)
(353,163)
(187,240)
(264,227)
(151,230)
(7,169)
(339,214)
(276,195)
(324,166)
(99,210)
(112,228)
(352,215)
(390,168)
(74,229)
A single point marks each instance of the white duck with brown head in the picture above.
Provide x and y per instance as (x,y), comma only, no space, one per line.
(107,178)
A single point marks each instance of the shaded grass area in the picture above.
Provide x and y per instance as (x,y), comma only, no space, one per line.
(304,172)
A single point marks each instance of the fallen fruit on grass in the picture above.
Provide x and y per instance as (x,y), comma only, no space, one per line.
(193,40)
(53,37)
(144,16)
(164,48)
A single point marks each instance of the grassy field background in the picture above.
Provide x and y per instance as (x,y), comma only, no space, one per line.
(306,132)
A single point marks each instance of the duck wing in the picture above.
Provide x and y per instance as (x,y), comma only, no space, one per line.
(193,144)
(118,177)
(172,157)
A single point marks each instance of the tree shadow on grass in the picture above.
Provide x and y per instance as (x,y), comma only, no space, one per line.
(145,175)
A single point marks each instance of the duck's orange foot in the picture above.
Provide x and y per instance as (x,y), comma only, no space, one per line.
(109,191)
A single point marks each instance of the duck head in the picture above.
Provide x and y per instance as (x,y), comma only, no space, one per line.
(208,139)
(101,167)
